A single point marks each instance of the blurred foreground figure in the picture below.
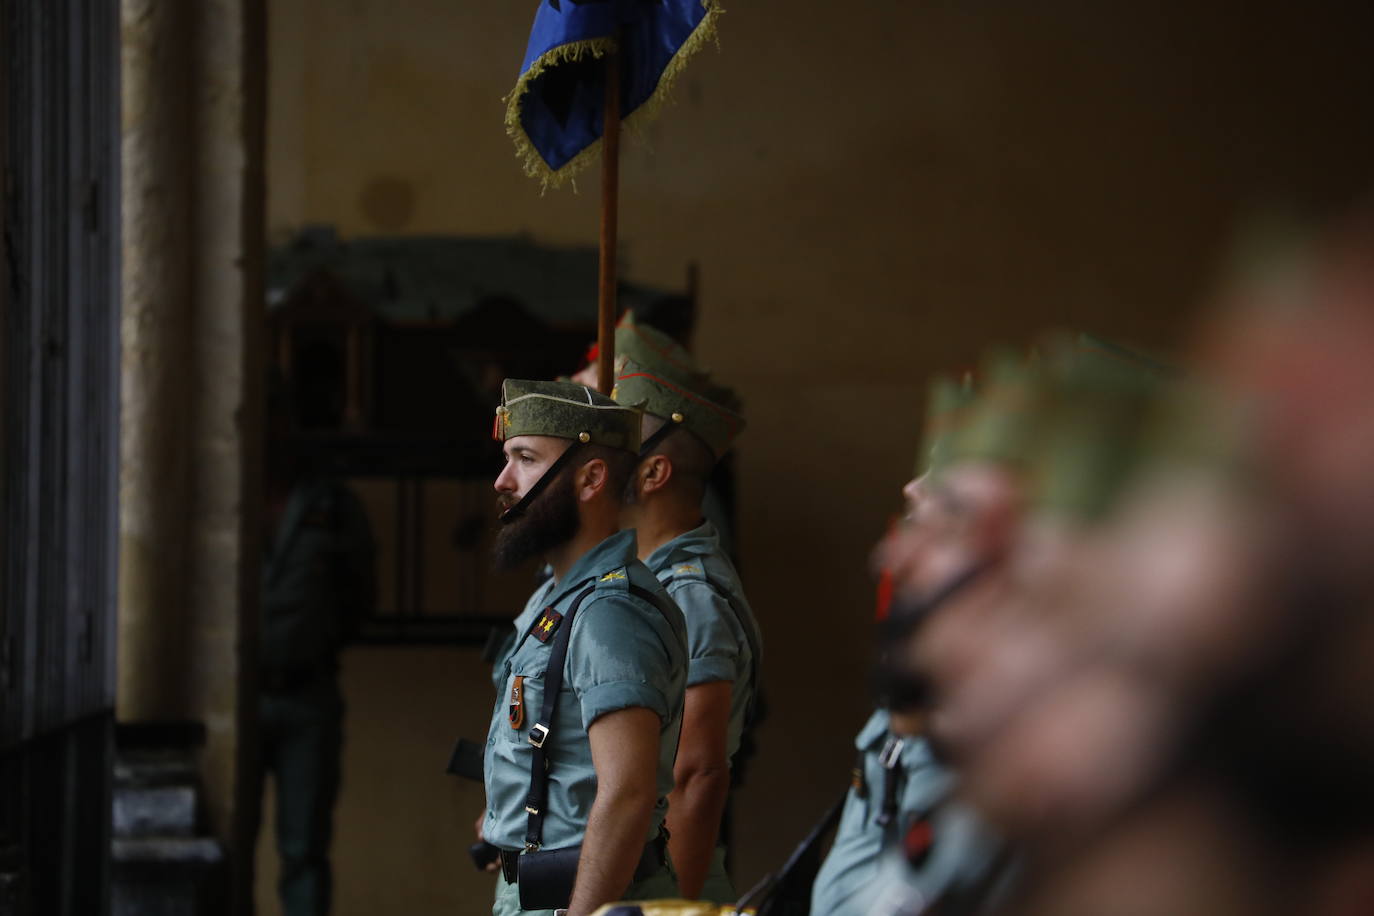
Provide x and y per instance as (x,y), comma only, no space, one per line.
(1167,710)
(900,844)
(1264,649)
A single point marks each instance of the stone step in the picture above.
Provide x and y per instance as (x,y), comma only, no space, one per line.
(159,867)
(162,852)
(163,876)
(156,811)
(154,768)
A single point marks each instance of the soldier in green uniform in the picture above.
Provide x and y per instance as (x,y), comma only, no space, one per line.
(318,580)
(579,756)
(687,430)
(1039,445)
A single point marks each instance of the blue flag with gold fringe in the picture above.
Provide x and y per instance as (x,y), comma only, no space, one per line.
(555,113)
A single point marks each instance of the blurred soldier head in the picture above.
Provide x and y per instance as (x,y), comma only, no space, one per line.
(947,558)
(569,454)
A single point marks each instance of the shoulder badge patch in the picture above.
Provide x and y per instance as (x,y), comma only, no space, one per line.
(547,624)
(688,570)
(612,576)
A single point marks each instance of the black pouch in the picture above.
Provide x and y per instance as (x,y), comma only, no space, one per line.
(547,877)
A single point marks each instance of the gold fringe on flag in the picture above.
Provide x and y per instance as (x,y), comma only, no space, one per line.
(533,163)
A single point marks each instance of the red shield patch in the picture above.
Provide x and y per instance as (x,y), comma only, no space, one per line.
(919,839)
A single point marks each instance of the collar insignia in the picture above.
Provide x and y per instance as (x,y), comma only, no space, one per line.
(547,624)
(612,576)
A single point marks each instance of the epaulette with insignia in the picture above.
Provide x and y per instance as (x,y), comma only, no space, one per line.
(617,579)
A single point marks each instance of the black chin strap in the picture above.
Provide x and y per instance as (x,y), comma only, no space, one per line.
(910,613)
(519,508)
(651,443)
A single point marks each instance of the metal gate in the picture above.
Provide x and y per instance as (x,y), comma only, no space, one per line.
(59,334)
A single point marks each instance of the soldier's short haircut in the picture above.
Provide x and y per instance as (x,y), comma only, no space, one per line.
(620,466)
(692,460)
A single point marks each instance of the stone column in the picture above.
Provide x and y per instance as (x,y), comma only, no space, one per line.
(193,245)
(152,665)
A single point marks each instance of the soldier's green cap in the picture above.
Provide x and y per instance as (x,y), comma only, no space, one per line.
(1001,422)
(1098,401)
(566,410)
(655,351)
(946,406)
(700,412)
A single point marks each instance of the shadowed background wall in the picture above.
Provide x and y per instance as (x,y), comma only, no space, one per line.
(872,195)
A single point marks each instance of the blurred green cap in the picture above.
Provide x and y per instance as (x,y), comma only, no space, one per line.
(1098,401)
(946,406)
(1000,424)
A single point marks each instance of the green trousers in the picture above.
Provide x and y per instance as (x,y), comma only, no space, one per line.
(659,886)
(301,741)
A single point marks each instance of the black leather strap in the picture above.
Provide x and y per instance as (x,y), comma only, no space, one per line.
(548,477)
(663,610)
(908,614)
(641,592)
(754,650)
(788,890)
(537,797)
(540,730)
(663,432)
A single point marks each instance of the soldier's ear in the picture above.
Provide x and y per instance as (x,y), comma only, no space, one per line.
(658,470)
(591,479)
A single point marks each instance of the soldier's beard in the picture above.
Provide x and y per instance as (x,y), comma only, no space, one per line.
(547,523)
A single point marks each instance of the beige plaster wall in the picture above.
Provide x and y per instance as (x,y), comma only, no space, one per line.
(874,190)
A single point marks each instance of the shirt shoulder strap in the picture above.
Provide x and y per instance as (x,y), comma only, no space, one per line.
(749,637)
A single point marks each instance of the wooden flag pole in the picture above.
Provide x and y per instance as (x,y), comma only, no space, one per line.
(610,211)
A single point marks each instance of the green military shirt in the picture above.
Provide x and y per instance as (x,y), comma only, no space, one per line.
(847,883)
(317,577)
(624,652)
(695,570)
(959,858)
